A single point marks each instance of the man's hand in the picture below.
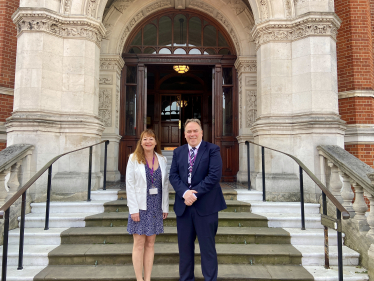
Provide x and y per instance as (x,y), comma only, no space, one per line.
(135,217)
(189,197)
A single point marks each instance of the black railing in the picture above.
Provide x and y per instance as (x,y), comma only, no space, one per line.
(5,209)
(327,221)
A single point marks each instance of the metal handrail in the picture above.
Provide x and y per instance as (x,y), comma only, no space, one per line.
(5,209)
(326,221)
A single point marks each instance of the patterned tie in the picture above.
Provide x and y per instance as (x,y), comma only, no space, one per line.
(191,163)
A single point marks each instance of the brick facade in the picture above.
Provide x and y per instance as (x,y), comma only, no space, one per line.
(8,43)
(357,110)
(6,106)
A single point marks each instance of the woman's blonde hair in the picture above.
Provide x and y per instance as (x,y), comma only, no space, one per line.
(139,151)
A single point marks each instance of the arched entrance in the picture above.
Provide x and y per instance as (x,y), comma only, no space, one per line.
(155,96)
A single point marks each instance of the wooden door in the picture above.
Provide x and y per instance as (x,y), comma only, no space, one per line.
(225,120)
(170,120)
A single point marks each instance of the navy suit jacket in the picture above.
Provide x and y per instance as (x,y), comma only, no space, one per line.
(206,174)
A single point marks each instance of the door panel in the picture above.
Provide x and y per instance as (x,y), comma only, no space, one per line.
(170,116)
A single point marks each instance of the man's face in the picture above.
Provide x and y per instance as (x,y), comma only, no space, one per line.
(193,134)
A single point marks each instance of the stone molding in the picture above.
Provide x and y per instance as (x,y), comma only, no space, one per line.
(72,123)
(310,24)
(2,132)
(245,65)
(356,93)
(299,124)
(111,63)
(105,106)
(359,134)
(243,138)
(44,20)
(7,91)
(251,107)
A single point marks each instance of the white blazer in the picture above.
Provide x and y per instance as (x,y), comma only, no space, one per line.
(136,185)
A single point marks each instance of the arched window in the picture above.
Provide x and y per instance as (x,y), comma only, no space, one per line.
(180,33)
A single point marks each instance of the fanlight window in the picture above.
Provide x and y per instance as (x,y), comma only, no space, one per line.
(181,34)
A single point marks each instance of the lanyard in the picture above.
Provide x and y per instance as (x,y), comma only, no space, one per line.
(190,160)
(153,162)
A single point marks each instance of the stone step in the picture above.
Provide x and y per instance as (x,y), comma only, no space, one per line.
(228,194)
(115,254)
(33,255)
(106,195)
(70,207)
(226,272)
(232,219)
(351,273)
(311,236)
(289,220)
(119,235)
(248,195)
(232,206)
(283,207)
(26,274)
(37,236)
(56,220)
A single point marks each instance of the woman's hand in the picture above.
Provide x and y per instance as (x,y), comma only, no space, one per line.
(164,215)
(135,217)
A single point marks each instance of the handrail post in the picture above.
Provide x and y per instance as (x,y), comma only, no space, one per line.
(340,247)
(105,162)
(248,166)
(263,174)
(22,232)
(302,198)
(89,175)
(48,203)
(326,233)
(5,245)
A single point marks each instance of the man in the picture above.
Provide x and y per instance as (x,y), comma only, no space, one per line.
(195,174)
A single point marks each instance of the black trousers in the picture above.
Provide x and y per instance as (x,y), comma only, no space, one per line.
(190,225)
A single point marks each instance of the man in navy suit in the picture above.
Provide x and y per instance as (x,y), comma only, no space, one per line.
(195,174)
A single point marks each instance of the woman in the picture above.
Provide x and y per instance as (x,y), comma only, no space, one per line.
(147,191)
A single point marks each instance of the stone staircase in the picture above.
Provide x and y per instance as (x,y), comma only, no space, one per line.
(255,241)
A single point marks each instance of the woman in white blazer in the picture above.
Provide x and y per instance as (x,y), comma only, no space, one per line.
(147,189)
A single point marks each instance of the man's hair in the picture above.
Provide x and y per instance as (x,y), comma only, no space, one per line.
(193,120)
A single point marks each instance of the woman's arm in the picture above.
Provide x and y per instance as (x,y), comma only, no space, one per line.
(130,186)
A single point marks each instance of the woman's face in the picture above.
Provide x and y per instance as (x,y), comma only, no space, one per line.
(148,143)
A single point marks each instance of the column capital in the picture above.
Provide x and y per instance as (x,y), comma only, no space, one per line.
(45,20)
(111,63)
(246,64)
(309,24)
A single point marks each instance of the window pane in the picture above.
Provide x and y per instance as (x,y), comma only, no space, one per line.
(180,30)
(130,110)
(222,41)
(150,35)
(137,39)
(224,52)
(131,74)
(227,76)
(164,51)
(227,112)
(194,32)
(164,29)
(149,51)
(180,51)
(210,38)
(135,50)
(195,52)
(174,108)
(209,52)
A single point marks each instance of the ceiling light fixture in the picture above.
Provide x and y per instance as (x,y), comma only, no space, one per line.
(181,68)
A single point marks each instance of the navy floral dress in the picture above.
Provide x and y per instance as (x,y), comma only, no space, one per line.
(151,221)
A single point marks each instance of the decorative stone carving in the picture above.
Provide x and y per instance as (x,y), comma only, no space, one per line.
(251,98)
(106,80)
(240,103)
(288,9)
(58,25)
(67,6)
(128,29)
(250,81)
(112,64)
(202,6)
(109,29)
(326,26)
(105,106)
(360,208)
(118,99)
(246,66)
(180,4)
(264,9)
(237,5)
(91,8)
(157,6)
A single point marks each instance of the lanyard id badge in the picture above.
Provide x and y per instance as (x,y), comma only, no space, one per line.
(153,190)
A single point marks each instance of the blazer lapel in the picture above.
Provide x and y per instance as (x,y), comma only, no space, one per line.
(183,163)
(200,153)
(161,163)
(142,171)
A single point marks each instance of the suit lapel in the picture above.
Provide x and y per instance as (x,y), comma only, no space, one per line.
(199,155)
(183,164)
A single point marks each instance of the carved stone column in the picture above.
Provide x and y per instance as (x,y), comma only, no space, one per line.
(3,190)
(297,103)
(347,193)
(56,96)
(109,107)
(335,182)
(13,182)
(247,76)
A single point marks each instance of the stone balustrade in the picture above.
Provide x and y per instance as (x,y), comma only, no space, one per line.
(16,160)
(345,170)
